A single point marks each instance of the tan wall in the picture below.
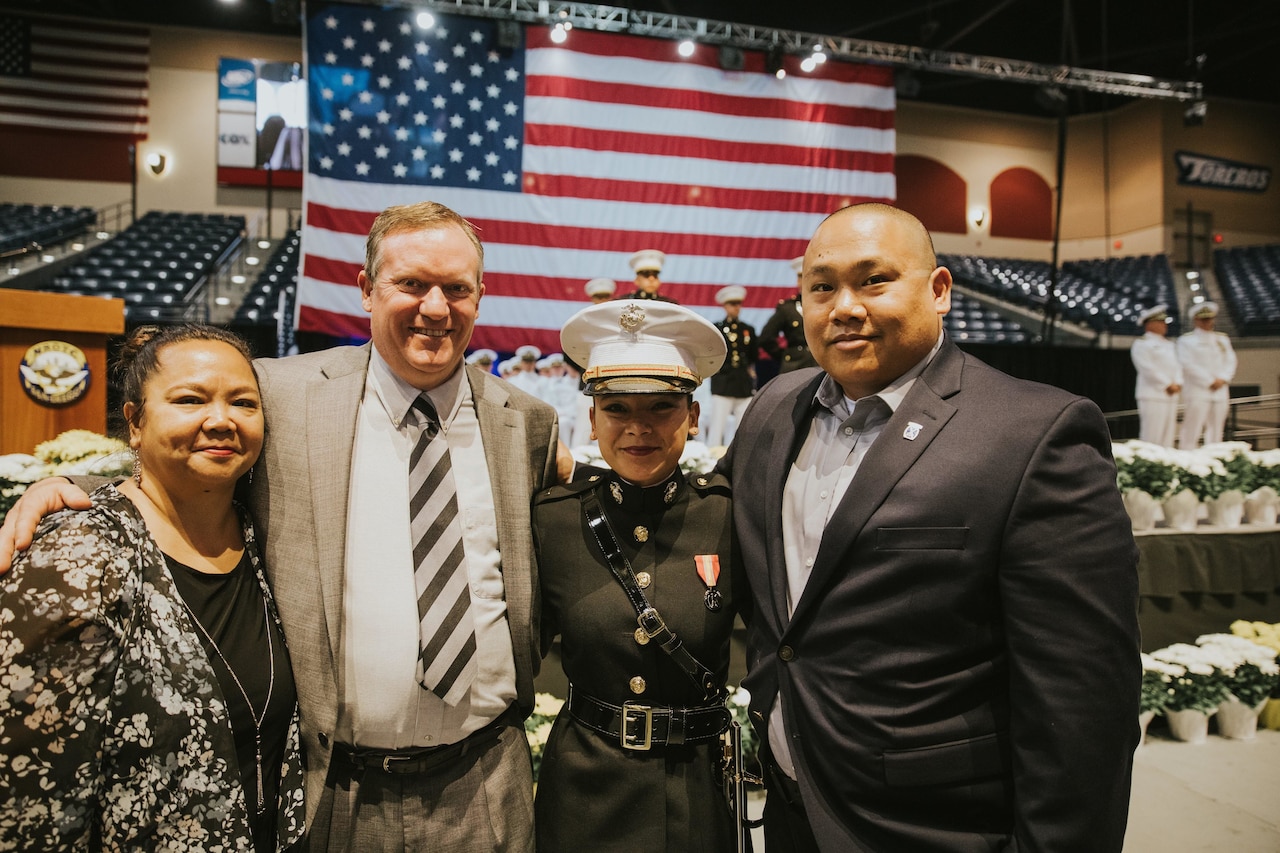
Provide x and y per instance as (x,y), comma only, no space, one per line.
(184,105)
(1246,133)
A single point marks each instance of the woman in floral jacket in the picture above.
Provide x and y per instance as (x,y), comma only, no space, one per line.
(146,700)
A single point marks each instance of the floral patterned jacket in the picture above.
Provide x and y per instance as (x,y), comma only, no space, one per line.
(113,730)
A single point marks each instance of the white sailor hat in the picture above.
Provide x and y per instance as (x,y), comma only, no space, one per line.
(1204,309)
(487,356)
(542,363)
(647,259)
(505,367)
(634,347)
(732,293)
(797,264)
(1155,312)
(555,359)
(528,352)
(601,287)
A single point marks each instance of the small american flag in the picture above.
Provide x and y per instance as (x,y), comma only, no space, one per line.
(65,75)
(570,157)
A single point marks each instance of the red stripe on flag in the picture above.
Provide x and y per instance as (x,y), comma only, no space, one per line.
(568,186)
(676,146)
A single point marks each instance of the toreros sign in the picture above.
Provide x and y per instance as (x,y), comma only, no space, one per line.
(1199,170)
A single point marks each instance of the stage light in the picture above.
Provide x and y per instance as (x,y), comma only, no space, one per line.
(732,58)
(1194,115)
(686,48)
(808,64)
(559,33)
(426,20)
(773,62)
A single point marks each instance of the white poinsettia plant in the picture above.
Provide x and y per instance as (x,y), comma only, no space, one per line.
(74,452)
(1194,682)
(1206,471)
(1248,669)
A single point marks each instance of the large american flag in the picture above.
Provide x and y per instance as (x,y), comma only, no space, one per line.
(66,75)
(568,158)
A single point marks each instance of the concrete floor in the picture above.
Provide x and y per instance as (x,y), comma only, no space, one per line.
(1221,795)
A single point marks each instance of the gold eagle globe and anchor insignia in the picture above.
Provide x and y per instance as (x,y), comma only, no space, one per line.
(54,372)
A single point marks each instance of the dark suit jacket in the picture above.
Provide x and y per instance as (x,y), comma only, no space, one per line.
(299,503)
(962,668)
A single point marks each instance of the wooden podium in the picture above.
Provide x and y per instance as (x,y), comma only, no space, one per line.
(29,318)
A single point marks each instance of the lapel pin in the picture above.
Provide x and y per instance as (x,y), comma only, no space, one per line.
(912,430)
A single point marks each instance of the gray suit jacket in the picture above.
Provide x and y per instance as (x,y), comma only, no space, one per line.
(961,672)
(299,503)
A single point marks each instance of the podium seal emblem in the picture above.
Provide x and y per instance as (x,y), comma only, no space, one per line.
(54,372)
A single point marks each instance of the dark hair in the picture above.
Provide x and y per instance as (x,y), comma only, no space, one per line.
(139,356)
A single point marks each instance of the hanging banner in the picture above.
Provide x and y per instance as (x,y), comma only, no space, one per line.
(1201,170)
(261,116)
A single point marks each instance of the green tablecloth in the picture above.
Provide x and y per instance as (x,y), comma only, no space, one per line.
(1199,583)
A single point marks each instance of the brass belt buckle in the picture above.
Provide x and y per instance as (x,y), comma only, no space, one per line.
(634,711)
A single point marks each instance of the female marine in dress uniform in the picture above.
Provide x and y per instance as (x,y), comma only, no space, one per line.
(632,761)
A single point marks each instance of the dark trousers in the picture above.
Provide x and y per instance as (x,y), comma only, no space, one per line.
(786,826)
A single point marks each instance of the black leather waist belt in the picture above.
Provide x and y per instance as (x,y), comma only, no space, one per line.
(422,759)
(641,727)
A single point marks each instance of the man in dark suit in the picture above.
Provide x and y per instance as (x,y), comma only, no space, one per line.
(944,653)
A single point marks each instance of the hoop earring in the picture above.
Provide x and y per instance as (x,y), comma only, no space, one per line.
(137,469)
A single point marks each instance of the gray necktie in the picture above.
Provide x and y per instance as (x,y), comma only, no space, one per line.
(446,627)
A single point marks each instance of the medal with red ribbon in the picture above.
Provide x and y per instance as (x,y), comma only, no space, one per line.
(709,570)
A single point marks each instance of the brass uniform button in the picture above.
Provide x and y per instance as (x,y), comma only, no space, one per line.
(637,685)
(641,533)
(644,579)
(642,638)
(786,653)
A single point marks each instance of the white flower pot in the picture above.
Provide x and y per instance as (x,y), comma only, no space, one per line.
(1144,720)
(1260,506)
(1142,509)
(1180,510)
(1227,509)
(1237,720)
(1188,726)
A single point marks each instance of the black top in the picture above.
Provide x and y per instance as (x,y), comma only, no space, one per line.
(641,294)
(230,607)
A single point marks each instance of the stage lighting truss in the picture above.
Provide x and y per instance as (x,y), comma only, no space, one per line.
(772,40)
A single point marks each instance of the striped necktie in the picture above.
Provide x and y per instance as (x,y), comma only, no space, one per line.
(446,627)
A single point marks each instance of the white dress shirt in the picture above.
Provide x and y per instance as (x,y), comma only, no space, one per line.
(840,434)
(384,706)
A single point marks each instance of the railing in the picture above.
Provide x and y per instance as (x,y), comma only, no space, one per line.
(1255,420)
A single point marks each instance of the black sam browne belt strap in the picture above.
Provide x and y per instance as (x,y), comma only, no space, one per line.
(649,619)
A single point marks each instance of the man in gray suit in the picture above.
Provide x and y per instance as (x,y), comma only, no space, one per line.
(391,765)
(944,651)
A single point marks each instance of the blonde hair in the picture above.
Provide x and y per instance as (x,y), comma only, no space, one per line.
(424,215)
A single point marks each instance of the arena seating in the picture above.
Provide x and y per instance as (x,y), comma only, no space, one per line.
(156,264)
(970,321)
(261,305)
(42,224)
(1104,295)
(1249,279)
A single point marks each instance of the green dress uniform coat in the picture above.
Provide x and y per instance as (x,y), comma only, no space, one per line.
(742,348)
(593,794)
(786,322)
